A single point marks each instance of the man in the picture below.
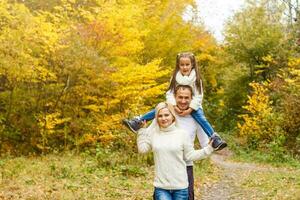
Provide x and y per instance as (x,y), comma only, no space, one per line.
(183,97)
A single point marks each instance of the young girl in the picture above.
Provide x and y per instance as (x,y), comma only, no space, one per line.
(185,73)
(170,146)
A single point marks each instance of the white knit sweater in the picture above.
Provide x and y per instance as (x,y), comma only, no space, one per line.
(171,146)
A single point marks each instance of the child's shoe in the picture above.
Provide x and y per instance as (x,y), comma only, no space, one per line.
(217,142)
(133,124)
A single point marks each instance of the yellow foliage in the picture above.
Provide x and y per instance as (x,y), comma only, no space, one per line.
(107,138)
(135,83)
(221,104)
(220,91)
(107,128)
(259,122)
(122,23)
(92,107)
(292,75)
(42,74)
(204,57)
(91,98)
(48,122)
(294,67)
(294,63)
(95,62)
(269,59)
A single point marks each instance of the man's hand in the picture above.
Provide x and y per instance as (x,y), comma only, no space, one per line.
(183,113)
(144,124)
(177,110)
(186,112)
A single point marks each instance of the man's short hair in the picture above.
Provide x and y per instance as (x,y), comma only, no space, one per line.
(178,87)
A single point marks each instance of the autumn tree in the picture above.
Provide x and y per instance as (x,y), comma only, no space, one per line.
(71,70)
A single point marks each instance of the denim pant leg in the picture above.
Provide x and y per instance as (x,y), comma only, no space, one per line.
(161,194)
(180,194)
(149,115)
(190,189)
(198,115)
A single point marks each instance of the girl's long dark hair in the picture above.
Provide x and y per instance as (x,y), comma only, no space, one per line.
(194,66)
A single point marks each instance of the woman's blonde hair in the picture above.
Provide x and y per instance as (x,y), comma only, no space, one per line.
(165,105)
(154,124)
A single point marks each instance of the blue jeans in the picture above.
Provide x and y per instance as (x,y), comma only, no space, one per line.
(149,115)
(162,194)
(198,115)
(189,170)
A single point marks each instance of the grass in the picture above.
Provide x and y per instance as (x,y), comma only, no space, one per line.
(72,176)
(275,155)
(286,160)
(106,175)
(277,185)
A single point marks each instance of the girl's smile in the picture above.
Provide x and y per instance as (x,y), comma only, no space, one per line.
(185,66)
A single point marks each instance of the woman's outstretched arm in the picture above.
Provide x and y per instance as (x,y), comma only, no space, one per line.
(143,141)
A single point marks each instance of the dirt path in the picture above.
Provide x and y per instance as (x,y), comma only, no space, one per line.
(232,176)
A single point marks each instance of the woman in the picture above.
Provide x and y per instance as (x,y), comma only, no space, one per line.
(171,147)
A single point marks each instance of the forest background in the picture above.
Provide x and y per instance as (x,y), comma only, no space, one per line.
(70,70)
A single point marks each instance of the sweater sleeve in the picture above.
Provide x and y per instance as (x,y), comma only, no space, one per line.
(143,141)
(196,101)
(191,154)
(170,98)
(201,136)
